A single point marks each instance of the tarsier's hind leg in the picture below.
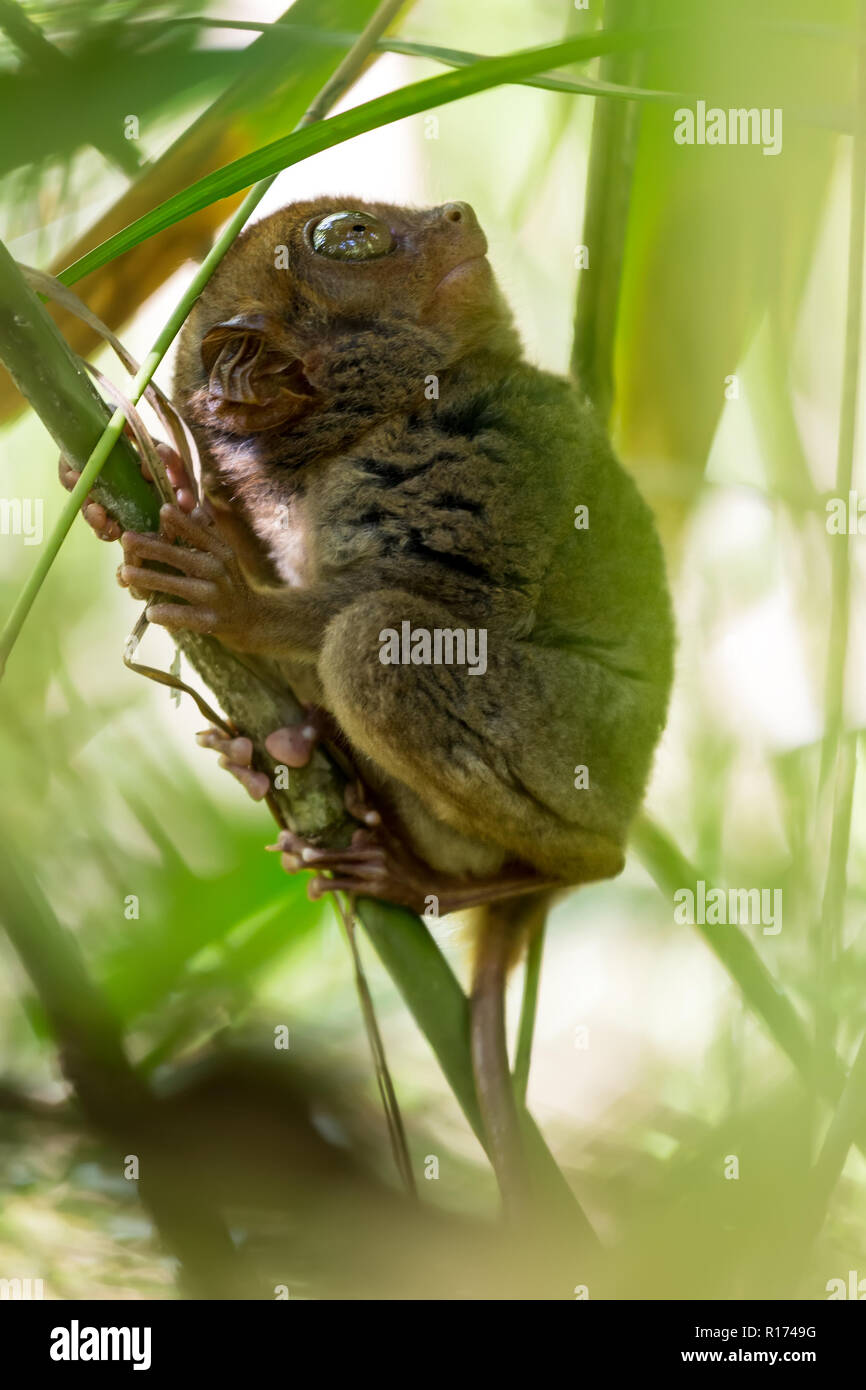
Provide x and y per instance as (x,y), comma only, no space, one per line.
(528,755)
(493,756)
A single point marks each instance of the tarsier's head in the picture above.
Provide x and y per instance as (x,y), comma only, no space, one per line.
(338,297)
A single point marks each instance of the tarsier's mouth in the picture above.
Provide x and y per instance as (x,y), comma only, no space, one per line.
(461,265)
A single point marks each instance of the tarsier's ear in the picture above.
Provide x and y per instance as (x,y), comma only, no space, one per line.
(253,383)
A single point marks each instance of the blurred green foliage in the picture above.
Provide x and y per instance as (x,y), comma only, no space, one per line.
(202,947)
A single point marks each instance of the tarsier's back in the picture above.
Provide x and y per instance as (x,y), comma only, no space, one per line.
(495,638)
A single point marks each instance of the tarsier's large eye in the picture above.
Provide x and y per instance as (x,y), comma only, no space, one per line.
(351,236)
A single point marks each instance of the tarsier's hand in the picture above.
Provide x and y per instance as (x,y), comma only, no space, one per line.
(97,518)
(204,573)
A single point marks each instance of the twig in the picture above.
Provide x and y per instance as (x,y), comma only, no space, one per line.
(390,1105)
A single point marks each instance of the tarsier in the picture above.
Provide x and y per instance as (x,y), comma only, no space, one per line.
(376,453)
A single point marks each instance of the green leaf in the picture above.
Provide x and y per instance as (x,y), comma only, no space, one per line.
(406,101)
(718,237)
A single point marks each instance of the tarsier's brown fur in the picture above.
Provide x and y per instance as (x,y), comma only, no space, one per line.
(355,502)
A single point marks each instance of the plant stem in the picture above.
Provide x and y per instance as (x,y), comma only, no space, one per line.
(529,1006)
(611,165)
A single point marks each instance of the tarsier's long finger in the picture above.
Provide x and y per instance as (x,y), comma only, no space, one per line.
(257,784)
(103,525)
(318,887)
(139,546)
(196,591)
(178,476)
(180,617)
(97,518)
(175,468)
(196,530)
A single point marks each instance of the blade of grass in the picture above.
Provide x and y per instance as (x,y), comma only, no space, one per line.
(849,1120)
(387,1093)
(405,101)
(450,57)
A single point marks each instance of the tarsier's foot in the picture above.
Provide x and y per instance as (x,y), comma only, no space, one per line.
(361,867)
(291,745)
(377,865)
(97,518)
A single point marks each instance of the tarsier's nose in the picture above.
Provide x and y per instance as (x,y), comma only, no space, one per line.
(458,212)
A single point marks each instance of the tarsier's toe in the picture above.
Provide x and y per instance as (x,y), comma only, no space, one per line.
(355,799)
(258,784)
(236,756)
(357,868)
(293,745)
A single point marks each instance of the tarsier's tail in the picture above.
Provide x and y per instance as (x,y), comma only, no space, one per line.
(502,929)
